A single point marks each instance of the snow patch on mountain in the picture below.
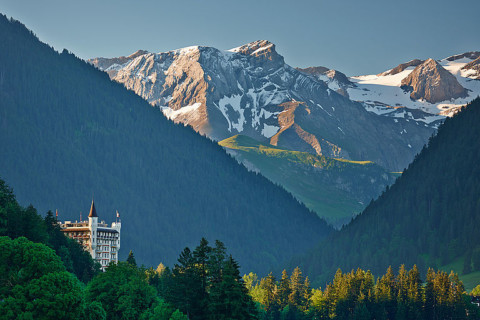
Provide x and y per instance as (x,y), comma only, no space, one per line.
(382,94)
(269,131)
(234,103)
(173,114)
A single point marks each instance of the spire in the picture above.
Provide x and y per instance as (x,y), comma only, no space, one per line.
(93,212)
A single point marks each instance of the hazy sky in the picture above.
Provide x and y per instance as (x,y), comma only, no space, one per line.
(353,36)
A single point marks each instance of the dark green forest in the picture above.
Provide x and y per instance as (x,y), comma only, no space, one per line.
(45,275)
(430,216)
(67,133)
(37,282)
(16,221)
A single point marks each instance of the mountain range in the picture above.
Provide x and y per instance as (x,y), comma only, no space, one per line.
(69,133)
(251,91)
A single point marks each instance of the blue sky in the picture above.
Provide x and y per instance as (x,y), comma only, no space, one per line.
(353,36)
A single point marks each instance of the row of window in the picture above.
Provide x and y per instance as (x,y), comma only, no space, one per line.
(107,234)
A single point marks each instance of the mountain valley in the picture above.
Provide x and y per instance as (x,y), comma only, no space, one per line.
(251,91)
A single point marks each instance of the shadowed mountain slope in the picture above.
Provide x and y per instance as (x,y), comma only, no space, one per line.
(67,132)
(429,217)
(334,188)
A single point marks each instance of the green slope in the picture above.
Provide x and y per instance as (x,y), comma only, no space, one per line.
(429,217)
(470,280)
(336,189)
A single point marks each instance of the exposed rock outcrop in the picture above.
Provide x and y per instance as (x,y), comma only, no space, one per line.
(431,82)
(314,71)
(402,67)
(335,79)
(105,63)
(474,68)
(470,55)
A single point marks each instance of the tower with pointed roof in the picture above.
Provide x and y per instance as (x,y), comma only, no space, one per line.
(93,226)
(99,239)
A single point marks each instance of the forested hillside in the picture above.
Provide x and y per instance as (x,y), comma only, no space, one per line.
(67,133)
(429,217)
(17,221)
(205,283)
(335,189)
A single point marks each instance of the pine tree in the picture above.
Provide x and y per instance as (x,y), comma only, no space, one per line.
(307,292)
(186,285)
(414,294)
(296,298)
(201,256)
(230,299)
(283,290)
(402,284)
(386,293)
(269,287)
(131,259)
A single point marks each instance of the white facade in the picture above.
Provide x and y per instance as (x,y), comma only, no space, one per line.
(100,240)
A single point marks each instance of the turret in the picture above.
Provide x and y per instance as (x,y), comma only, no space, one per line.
(92,225)
(117,225)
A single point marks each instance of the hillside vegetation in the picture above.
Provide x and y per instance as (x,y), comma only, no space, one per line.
(429,217)
(67,133)
(335,189)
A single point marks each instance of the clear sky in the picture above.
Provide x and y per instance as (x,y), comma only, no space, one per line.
(353,36)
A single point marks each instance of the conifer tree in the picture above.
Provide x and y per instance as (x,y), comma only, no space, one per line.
(131,259)
(186,285)
(283,290)
(270,303)
(296,298)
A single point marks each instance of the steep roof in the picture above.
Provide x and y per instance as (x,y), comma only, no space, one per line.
(93,212)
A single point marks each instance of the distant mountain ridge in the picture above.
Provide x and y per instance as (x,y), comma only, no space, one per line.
(67,131)
(425,91)
(250,90)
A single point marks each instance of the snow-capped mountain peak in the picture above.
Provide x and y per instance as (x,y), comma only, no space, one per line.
(436,88)
(254,48)
(250,90)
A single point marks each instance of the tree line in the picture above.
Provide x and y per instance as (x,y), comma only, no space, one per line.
(41,277)
(428,217)
(358,295)
(17,221)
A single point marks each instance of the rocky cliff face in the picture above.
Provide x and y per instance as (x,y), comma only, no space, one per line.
(473,69)
(401,67)
(335,79)
(250,90)
(431,82)
(472,55)
(104,63)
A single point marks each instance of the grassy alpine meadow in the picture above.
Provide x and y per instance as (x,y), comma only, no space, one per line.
(335,189)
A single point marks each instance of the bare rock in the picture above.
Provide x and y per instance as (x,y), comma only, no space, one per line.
(474,66)
(402,67)
(470,55)
(431,82)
